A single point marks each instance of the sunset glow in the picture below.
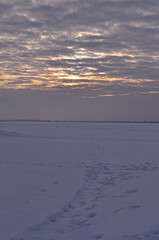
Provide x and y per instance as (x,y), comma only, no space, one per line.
(88,49)
(44,55)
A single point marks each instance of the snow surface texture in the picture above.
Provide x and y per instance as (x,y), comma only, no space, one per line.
(61,181)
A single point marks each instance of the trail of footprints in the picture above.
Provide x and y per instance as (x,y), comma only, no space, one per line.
(152,234)
(80,212)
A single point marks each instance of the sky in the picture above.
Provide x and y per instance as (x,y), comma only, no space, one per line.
(79,59)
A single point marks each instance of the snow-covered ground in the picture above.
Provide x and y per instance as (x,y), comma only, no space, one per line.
(73,181)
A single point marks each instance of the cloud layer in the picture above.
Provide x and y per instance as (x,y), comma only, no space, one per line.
(97,47)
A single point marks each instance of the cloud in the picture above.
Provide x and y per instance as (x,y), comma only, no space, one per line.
(69,45)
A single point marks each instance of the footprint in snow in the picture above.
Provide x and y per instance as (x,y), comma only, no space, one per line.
(119,210)
(91,215)
(126,193)
(133,207)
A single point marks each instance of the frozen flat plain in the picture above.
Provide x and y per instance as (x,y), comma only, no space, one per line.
(73,181)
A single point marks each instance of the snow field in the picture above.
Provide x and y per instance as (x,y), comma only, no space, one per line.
(79,181)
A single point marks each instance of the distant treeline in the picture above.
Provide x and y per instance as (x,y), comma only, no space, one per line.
(105,121)
(71,121)
(24,120)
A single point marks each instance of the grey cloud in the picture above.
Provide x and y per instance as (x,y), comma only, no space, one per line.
(32,33)
(4,9)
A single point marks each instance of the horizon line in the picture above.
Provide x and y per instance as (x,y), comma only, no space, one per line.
(76,121)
